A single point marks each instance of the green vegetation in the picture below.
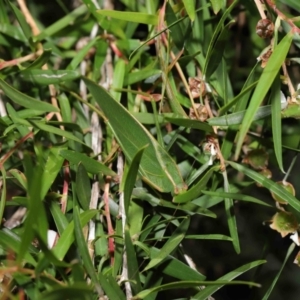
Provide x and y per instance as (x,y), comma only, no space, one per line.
(138,140)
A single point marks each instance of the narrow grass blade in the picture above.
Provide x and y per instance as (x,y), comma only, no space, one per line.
(46,77)
(289,252)
(189,284)
(130,16)
(24,100)
(276,121)
(67,237)
(83,187)
(190,8)
(269,184)
(174,267)
(83,250)
(170,245)
(265,82)
(93,166)
(76,291)
(132,264)
(236,196)
(209,290)
(196,190)
(130,178)
(231,220)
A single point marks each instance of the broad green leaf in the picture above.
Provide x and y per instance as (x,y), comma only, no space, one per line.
(269,184)
(266,79)
(288,254)
(91,165)
(24,100)
(46,77)
(130,16)
(170,245)
(132,264)
(83,187)
(157,167)
(209,290)
(67,237)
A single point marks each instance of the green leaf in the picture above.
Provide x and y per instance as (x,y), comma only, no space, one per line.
(236,196)
(51,168)
(55,130)
(24,100)
(196,124)
(157,167)
(173,267)
(217,5)
(91,165)
(266,79)
(67,237)
(276,121)
(130,178)
(269,184)
(216,33)
(77,291)
(214,59)
(9,240)
(189,284)
(190,8)
(83,250)
(21,19)
(170,245)
(41,60)
(129,16)
(209,290)
(132,264)
(288,254)
(196,190)
(83,187)
(46,77)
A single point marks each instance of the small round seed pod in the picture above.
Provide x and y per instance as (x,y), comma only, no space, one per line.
(265,28)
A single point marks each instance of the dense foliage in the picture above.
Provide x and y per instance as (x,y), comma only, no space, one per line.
(149,149)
